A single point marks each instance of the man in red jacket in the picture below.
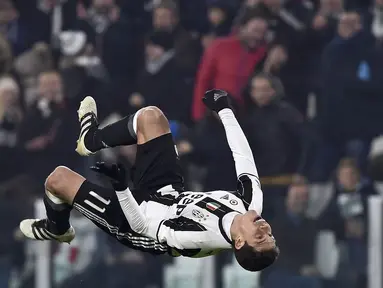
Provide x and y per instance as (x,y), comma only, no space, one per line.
(228,62)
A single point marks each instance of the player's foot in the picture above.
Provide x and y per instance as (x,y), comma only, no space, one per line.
(87,116)
(37,229)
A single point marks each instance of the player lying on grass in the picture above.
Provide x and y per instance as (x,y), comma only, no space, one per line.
(157,216)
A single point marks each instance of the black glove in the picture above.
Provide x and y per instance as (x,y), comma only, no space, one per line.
(115,172)
(216,100)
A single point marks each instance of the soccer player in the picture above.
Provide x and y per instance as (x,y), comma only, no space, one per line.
(193,224)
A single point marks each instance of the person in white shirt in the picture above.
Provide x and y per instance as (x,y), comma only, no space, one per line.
(193,224)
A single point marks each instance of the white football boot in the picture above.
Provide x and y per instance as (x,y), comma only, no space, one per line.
(87,116)
(37,229)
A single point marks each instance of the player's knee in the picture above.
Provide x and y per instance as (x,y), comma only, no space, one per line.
(150,115)
(152,120)
(56,180)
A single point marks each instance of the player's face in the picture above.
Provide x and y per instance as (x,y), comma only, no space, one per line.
(257,232)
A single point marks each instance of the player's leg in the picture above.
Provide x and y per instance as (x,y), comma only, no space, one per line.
(61,187)
(122,132)
(146,124)
(157,167)
(156,164)
(150,123)
(66,189)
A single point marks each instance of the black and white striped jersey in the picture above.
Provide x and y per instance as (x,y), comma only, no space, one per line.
(197,224)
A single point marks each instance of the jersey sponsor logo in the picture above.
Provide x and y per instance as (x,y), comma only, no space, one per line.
(233,202)
(198,214)
(186,199)
(212,206)
(225,197)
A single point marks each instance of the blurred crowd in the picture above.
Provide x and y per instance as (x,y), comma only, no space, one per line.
(306,79)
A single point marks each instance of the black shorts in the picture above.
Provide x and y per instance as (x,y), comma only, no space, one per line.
(157,168)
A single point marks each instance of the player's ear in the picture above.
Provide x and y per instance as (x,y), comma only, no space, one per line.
(239,242)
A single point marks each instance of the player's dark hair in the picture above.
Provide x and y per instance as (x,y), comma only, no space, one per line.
(252,260)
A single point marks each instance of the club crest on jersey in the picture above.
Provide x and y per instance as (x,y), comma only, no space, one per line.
(198,214)
(212,206)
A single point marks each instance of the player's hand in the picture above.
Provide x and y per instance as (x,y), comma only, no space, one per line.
(216,100)
(115,172)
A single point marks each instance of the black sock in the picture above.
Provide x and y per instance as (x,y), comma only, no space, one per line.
(58,216)
(116,134)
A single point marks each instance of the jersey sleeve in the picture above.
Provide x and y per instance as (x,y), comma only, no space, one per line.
(136,216)
(252,196)
(248,180)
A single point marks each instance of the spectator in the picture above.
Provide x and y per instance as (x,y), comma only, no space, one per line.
(347,216)
(154,87)
(10,118)
(352,202)
(267,111)
(77,51)
(81,69)
(351,87)
(289,27)
(29,65)
(187,48)
(48,129)
(22,31)
(319,33)
(350,181)
(101,14)
(295,267)
(228,62)
(276,133)
(219,23)
(67,16)
(120,55)
(104,23)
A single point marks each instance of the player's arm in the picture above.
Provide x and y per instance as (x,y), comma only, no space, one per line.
(248,179)
(132,211)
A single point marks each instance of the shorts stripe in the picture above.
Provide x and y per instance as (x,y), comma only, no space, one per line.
(114,230)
